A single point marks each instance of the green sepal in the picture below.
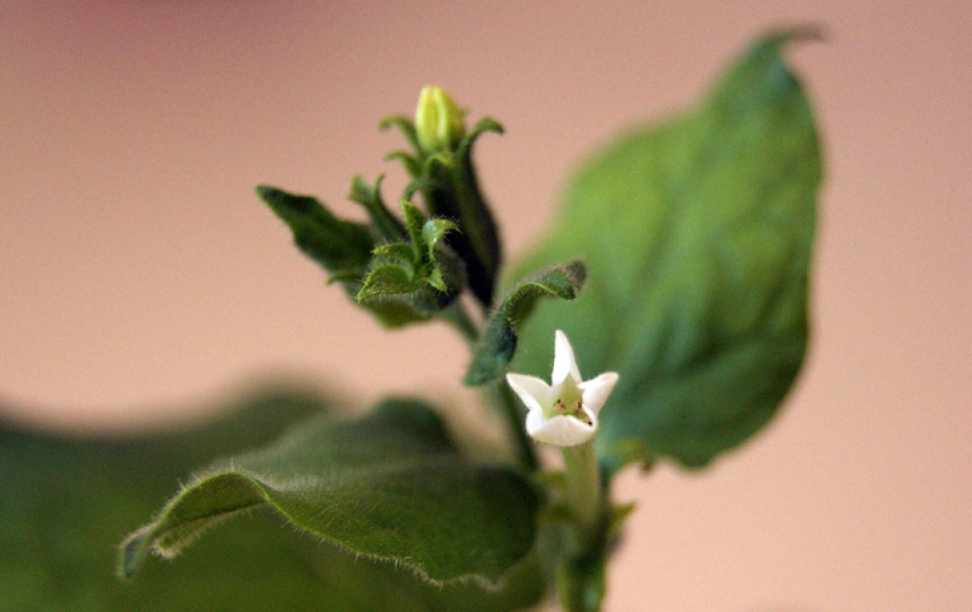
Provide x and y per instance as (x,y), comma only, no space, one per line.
(404,125)
(422,275)
(449,186)
(384,224)
(390,487)
(433,231)
(388,279)
(414,222)
(411,164)
(397,252)
(343,248)
(451,189)
(499,341)
(486,124)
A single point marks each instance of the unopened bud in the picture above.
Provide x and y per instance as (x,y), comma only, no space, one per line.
(439,124)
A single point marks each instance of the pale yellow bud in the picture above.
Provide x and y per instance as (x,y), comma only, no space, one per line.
(439,124)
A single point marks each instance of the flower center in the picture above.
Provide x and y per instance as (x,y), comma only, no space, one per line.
(570,408)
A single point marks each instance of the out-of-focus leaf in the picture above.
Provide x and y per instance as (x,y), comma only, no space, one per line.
(391,487)
(340,247)
(499,340)
(66,503)
(697,236)
(384,224)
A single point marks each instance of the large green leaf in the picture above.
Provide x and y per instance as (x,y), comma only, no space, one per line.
(697,236)
(66,503)
(391,487)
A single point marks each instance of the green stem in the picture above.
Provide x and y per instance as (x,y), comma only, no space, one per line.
(526,456)
(580,574)
(456,316)
(582,487)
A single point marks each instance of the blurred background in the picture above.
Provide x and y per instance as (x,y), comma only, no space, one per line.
(141,279)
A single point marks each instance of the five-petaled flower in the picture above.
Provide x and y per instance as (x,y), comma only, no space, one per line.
(563,413)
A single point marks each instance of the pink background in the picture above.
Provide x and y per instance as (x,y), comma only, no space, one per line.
(139,271)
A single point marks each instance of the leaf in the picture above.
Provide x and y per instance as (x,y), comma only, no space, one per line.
(384,224)
(424,276)
(697,235)
(67,502)
(499,340)
(390,487)
(388,279)
(340,247)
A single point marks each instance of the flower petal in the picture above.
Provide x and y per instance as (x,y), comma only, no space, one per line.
(560,430)
(594,392)
(564,362)
(534,392)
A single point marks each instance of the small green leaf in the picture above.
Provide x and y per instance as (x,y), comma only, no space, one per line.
(423,276)
(697,234)
(386,280)
(486,124)
(433,231)
(405,126)
(391,487)
(341,247)
(499,340)
(399,252)
(383,223)
(414,221)
(412,165)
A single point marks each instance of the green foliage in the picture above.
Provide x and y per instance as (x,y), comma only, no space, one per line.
(422,275)
(385,226)
(697,235)
(499,340)
(340,247)
(390,487)
(67,502)
(450,189)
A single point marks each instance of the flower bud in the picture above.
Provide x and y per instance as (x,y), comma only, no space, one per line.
(439,124)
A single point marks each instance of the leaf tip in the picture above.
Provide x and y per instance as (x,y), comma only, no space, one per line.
(130,554)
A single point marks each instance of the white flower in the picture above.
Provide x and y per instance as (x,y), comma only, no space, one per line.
(563,413)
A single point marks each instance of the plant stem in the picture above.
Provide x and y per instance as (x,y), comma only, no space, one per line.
(525,454)
(457,316)
(580,573)
(526,457)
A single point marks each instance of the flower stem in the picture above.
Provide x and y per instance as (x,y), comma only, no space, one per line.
(581,571)
(582,487)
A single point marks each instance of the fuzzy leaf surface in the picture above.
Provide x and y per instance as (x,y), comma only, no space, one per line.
(68,501)
(389,487)
(697,234)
